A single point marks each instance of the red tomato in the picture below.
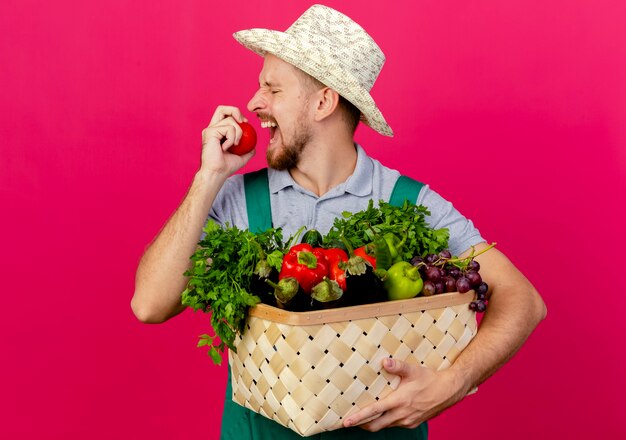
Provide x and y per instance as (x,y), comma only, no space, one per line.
(247,141)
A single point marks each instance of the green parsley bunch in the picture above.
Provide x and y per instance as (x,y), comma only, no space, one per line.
(408,221)
(220,279)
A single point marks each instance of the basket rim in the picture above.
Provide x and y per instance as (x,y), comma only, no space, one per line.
(364,311)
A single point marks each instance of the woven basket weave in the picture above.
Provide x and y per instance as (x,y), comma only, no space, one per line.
(309,370)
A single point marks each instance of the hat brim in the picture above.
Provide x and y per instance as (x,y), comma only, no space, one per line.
(326,70)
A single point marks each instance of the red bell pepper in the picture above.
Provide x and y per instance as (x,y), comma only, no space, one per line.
(307,265)
(335,257)
(367,253)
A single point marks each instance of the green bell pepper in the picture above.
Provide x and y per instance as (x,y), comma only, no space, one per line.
(395,246)
(403,281)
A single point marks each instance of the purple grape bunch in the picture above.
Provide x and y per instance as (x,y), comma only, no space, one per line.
(443,273)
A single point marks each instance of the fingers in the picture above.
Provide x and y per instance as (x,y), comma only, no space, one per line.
(391,411)
(226,131)
(383,421)
(398,367)
(382,413)
(400,417)
(222,133)
(370,412)
(224,126)
(218,137)
(226,111)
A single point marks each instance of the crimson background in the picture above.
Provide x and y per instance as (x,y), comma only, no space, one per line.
(513,110)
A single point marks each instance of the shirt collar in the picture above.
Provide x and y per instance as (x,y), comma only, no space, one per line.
(358,184)
(279,180)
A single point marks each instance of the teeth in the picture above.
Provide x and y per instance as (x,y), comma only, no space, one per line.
(268,124)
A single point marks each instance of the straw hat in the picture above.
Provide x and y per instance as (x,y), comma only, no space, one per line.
(333,49)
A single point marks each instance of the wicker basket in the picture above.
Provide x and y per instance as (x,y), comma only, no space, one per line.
(309,370)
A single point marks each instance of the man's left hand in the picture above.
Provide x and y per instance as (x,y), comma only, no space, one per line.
(422,394)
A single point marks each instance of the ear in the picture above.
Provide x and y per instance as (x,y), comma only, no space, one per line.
(326,104)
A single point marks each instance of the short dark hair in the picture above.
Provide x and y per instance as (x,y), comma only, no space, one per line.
(351,114)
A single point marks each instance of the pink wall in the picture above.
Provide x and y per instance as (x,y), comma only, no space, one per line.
(514,110)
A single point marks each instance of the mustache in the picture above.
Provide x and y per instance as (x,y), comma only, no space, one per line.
(265,117)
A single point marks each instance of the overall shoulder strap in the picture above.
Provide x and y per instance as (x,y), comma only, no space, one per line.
(257,190)
(405,189)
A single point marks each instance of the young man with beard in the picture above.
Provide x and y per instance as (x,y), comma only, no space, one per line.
(313,89)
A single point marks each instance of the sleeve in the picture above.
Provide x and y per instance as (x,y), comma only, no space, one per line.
(463,233)
(229,206)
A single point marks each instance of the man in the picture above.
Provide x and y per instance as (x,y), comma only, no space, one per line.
(314,89)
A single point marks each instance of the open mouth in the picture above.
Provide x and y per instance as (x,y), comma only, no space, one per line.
(272,127)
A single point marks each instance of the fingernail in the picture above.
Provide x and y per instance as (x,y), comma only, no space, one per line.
(390,362)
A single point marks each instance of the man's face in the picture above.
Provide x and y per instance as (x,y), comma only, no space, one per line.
(283,105)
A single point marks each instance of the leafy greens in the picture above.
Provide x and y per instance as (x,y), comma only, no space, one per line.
(408,221)
(220,278)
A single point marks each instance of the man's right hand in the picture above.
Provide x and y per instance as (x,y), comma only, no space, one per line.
(222,133)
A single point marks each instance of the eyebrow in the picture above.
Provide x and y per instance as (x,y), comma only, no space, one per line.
(267,84)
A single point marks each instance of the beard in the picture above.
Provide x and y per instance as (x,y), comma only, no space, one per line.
(288,155)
